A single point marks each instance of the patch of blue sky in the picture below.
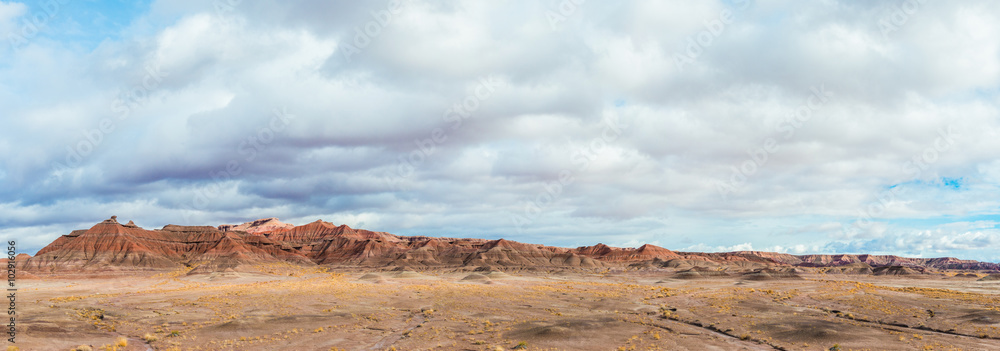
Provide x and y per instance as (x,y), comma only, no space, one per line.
(930,222)
(83,24)
(953,183)
(988,93)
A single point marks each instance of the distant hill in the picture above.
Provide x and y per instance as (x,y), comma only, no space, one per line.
(110,247)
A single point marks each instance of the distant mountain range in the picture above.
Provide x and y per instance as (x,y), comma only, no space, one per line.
(114,248)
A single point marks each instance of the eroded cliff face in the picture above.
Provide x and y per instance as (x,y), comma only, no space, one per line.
(112,247)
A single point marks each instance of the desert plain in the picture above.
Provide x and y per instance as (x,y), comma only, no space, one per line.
(288,307)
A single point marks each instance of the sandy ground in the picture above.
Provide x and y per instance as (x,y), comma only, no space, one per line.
(316,310)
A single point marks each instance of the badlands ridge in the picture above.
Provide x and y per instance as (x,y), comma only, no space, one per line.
(114,248)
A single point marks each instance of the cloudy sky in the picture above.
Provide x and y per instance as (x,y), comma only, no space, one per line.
(819,127)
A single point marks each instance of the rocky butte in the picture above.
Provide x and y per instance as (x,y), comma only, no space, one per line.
(112,248)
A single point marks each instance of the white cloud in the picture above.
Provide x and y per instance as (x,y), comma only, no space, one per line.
(708,248)
(923,243)
(358,122)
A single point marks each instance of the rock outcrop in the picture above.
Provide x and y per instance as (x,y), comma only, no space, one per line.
(613,254)
(259,226)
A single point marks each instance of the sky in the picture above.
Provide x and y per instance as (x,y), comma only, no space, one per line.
(787,126)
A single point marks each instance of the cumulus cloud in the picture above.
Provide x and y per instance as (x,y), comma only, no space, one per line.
(923,243)
(717,126)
